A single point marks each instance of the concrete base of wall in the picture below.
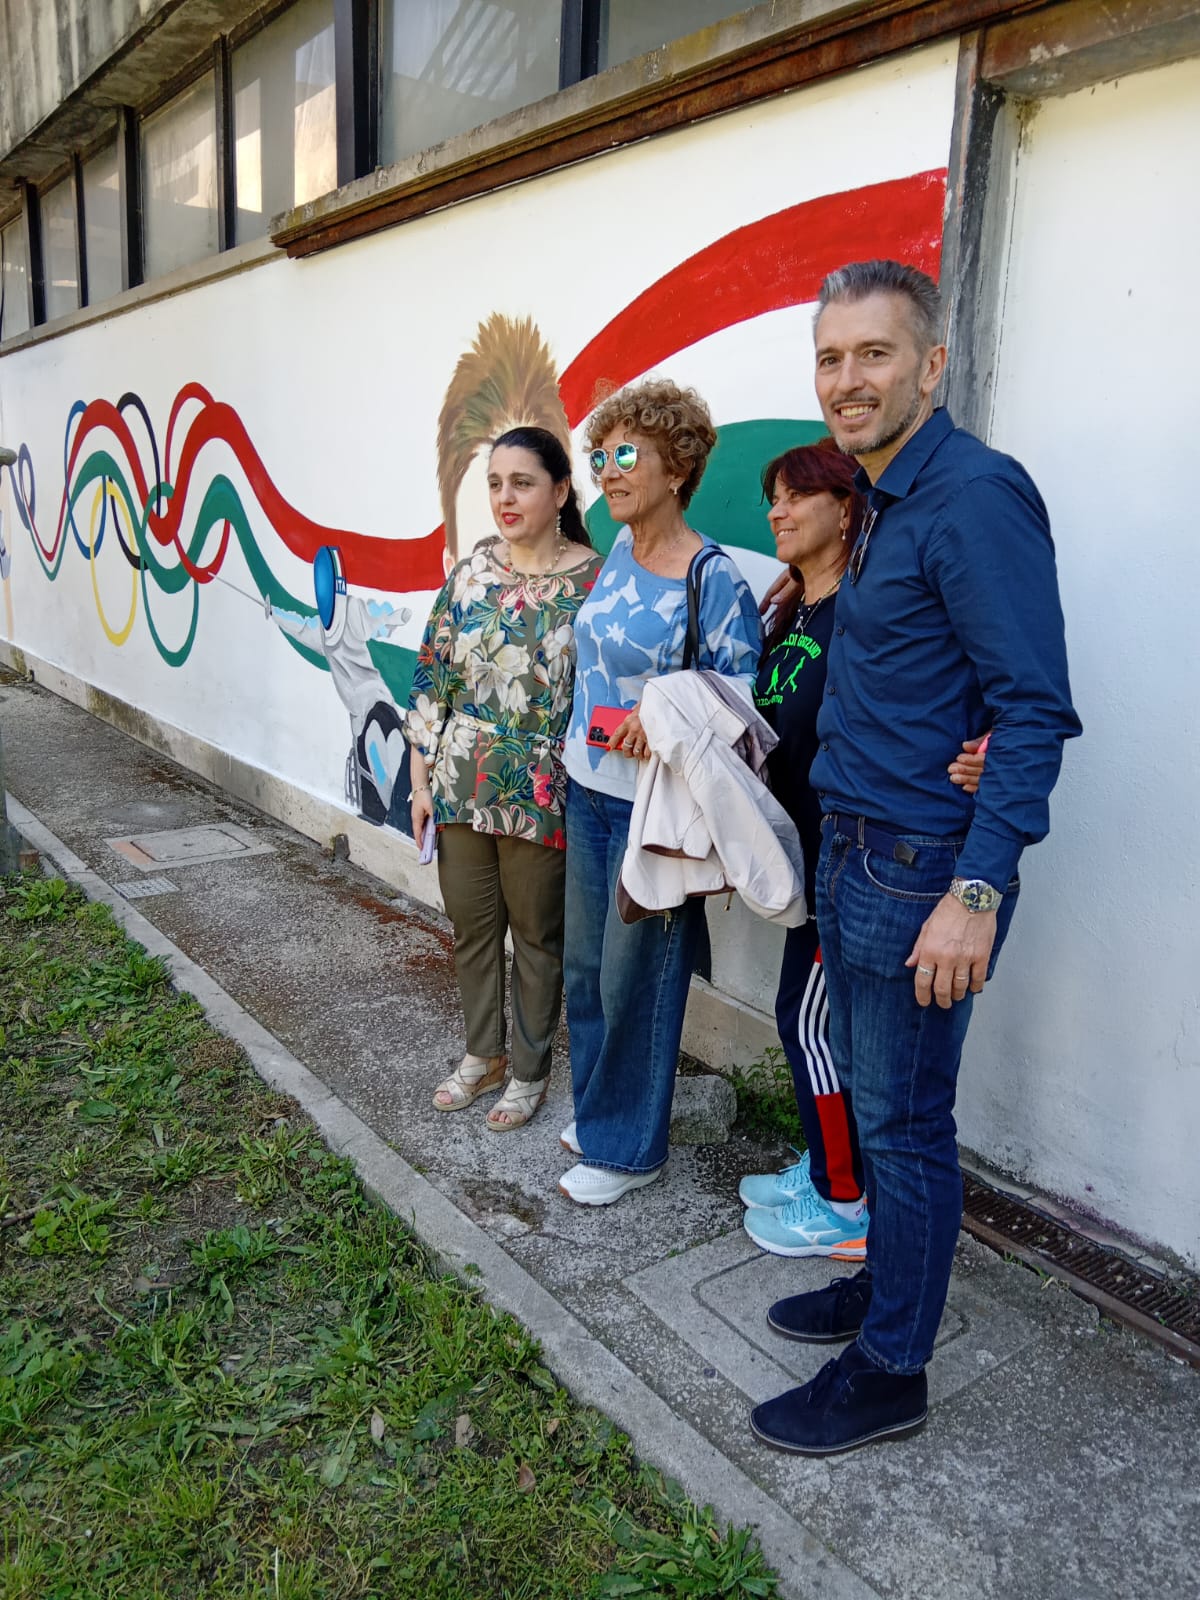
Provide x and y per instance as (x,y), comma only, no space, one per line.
(383,852)
(724,1032)
(720,1031)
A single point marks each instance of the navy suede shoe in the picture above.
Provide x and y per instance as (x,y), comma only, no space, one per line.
(849,1403)
(824,1316)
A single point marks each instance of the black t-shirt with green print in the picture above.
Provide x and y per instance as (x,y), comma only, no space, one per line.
(791,682)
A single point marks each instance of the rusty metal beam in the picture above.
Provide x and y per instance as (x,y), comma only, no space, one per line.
(1074,45)
(979,184)
(848,39)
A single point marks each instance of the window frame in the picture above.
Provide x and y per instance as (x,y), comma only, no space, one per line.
(756,55)
(13,215)
(574,54)
(83,155)
(69,173)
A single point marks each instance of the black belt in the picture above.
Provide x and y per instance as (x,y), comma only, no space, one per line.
(870,836)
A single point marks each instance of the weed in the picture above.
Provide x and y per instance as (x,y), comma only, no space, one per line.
(170,1166)
(699,1561)
(69,1225)
(267,1165)
(33,899)
(766,1099)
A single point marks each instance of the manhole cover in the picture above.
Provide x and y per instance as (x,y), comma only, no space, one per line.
(188,847)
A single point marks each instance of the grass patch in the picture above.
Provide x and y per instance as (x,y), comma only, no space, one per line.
(224,1372)
(766,1100)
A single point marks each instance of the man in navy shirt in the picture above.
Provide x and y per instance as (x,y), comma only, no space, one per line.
(949,626)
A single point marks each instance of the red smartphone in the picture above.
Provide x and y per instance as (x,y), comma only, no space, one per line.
(604,722)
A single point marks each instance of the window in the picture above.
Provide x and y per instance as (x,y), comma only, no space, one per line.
(284,116)
(14,280)
(179,179)
(632,27)
(102,225)
(450,65)
(59,249)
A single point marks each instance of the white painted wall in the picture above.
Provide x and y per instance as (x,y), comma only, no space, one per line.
(1083,1072)
(338,365)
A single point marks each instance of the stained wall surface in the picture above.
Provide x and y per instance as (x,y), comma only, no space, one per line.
(1086,1079)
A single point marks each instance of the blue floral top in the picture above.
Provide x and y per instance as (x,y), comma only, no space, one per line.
(492,692)
(633,629)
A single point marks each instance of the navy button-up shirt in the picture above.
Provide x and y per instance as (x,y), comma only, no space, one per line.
(953,627)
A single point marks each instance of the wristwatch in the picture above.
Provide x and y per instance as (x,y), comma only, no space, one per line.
(975,894)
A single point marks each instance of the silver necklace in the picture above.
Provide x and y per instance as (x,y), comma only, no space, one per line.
(810,612)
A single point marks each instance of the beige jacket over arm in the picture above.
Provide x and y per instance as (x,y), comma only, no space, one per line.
(703,822)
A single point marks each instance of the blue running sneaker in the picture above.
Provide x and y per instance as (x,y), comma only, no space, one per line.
(775,1189)
(807,1227)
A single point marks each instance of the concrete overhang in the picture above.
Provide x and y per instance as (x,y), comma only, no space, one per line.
(60,87)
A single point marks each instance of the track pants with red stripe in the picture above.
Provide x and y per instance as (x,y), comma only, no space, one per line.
(802,1016)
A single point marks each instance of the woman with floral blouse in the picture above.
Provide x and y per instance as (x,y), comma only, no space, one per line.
(490,700)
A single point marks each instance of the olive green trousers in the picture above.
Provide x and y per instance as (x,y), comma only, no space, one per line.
(491,885)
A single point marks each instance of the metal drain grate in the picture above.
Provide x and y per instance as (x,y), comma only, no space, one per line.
(145,888)
(1122,1289)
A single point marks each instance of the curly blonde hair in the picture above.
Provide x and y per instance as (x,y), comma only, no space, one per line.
(676,421)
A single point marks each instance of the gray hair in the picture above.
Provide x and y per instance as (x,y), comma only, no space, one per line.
(859,279)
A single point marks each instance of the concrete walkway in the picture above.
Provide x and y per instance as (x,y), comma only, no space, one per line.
(1061,1459)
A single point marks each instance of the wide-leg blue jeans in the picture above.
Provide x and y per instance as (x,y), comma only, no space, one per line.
(898,1063)
(626,989)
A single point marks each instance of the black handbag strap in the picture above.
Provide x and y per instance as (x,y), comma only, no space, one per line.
(691,643)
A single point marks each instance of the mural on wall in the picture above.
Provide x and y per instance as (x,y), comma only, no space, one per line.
(120,492)
(5,569)
(507,379)
(170,519)
(346,624)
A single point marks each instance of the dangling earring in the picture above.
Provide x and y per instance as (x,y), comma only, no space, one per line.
(558,525)
(675,488)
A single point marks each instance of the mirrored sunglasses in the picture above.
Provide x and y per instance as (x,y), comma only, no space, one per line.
(624,459)
(858,556)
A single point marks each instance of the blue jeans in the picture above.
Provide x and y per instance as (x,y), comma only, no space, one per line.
(898,1064)
(626,988)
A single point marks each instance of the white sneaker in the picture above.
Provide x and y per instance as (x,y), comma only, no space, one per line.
(597,1186)
(568,1140)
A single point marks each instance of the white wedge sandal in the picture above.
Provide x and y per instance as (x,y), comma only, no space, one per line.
(473,1076)
(518,1104)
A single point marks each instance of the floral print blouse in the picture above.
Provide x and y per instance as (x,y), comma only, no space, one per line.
(491,694)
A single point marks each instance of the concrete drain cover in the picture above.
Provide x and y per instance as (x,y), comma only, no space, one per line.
(715,1295)
(188,847)
(144,888)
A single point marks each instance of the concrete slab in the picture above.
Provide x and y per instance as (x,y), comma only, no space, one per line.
(716,1296)
(188,847)
(1060,1462)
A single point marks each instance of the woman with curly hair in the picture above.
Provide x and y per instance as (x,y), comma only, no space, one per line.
(627,984)
(489,706)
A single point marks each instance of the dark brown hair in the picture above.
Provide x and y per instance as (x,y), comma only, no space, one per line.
(549,451)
